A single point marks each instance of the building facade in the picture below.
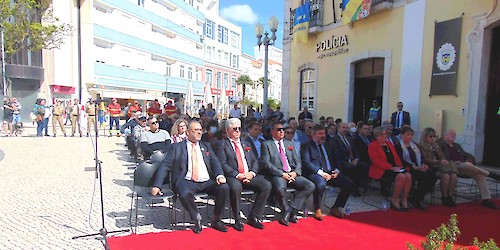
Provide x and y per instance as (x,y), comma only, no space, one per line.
(130,50)
(388,56)
(222,67)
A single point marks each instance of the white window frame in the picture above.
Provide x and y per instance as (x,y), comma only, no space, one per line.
(307,88)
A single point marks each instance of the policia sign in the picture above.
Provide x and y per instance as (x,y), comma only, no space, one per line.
(446,54)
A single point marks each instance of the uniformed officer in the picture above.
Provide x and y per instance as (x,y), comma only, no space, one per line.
(75,115)
(91,122)
(57,117)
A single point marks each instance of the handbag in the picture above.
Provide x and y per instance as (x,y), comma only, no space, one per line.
(39,118)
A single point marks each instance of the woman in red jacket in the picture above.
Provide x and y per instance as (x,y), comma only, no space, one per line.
(387,166)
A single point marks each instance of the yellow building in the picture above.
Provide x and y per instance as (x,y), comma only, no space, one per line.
(388,56)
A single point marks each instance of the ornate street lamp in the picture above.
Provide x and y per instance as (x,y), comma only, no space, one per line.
(266,41)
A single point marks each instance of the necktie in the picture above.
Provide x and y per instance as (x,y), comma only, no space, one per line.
(348,145)
(397,120)
(241,166)
(194,162)
(367,142)
(284,161)
(322,159)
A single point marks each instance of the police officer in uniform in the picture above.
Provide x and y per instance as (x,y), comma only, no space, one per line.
(375,114)
(57,113)
(75,115)
(91,122)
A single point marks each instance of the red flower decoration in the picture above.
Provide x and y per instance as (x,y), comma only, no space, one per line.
(207,153)
(247,149)
(290,148)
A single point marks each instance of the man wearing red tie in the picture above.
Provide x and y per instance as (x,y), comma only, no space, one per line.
(283,168)
(241,167)
(194,168)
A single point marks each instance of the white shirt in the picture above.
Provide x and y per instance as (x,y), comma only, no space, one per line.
(235,113)
(245,165)
(202,168)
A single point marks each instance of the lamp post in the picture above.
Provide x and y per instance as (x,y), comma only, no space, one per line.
(266,41)
(2,49)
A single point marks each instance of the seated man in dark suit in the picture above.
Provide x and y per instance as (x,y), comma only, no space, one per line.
(194,168)
(283,168)
(349,159)
(254,138)
(241,167)
(319,166)
(362,140)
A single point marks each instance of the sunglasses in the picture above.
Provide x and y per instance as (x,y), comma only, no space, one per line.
(237,128)
(280,129)
(154,123)
(289,132)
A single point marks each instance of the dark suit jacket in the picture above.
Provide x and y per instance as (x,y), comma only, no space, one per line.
(444,149)
(270,158)
(310,155)
(254,149)
(342,152)
(176,163)
(362,149)
(228,160)
(406,118)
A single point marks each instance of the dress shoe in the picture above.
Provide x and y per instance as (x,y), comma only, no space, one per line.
(219,226)
(197,227)
(318,215)
(489,203)
(293,217)
(420,205)
(238,226)
(448,201)
(335,211)
(285,219)
(254,222)
(406,209)
(397,208)
(495,176)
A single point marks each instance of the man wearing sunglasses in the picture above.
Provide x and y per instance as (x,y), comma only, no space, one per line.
(154,139)
(283,169)
(194,168)
(240,168)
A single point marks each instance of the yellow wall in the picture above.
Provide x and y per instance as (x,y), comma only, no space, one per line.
(383,31)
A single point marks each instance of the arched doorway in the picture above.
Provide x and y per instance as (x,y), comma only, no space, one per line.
(368,86)
(492,119)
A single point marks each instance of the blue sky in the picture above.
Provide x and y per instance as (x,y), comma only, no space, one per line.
(247,13)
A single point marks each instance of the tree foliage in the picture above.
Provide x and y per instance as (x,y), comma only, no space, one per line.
(244,80)
(31,25)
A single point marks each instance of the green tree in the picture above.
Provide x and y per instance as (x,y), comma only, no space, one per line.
(30,25)
(260,82)
(244,80)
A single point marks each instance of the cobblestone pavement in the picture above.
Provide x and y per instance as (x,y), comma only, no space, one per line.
(47,197)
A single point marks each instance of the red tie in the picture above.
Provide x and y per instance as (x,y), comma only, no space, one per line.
(241,166)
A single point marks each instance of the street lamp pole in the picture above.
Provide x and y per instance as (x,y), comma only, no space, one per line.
(2,49)
(266,41)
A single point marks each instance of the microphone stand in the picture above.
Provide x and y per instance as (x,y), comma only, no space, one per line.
(103,231)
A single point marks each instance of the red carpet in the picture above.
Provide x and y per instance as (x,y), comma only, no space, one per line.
(367,230)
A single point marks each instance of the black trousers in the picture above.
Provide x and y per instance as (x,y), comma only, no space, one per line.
(422,183)
(186,190)
(303,187)
(358,174)
(259,185)
(341,181)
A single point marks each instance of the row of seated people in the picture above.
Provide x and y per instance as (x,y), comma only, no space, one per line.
(195,167)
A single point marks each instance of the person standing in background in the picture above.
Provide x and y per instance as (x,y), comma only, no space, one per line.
(399,119)
(114,111)
(74,112)
(57,117)
(90,109)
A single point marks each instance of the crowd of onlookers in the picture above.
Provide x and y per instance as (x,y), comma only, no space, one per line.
(385,152)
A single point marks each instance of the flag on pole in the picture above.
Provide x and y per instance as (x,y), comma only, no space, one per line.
(301,24)
(353,10)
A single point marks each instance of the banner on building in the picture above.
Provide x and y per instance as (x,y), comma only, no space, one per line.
(353,10)
(301,24)
(446,52)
